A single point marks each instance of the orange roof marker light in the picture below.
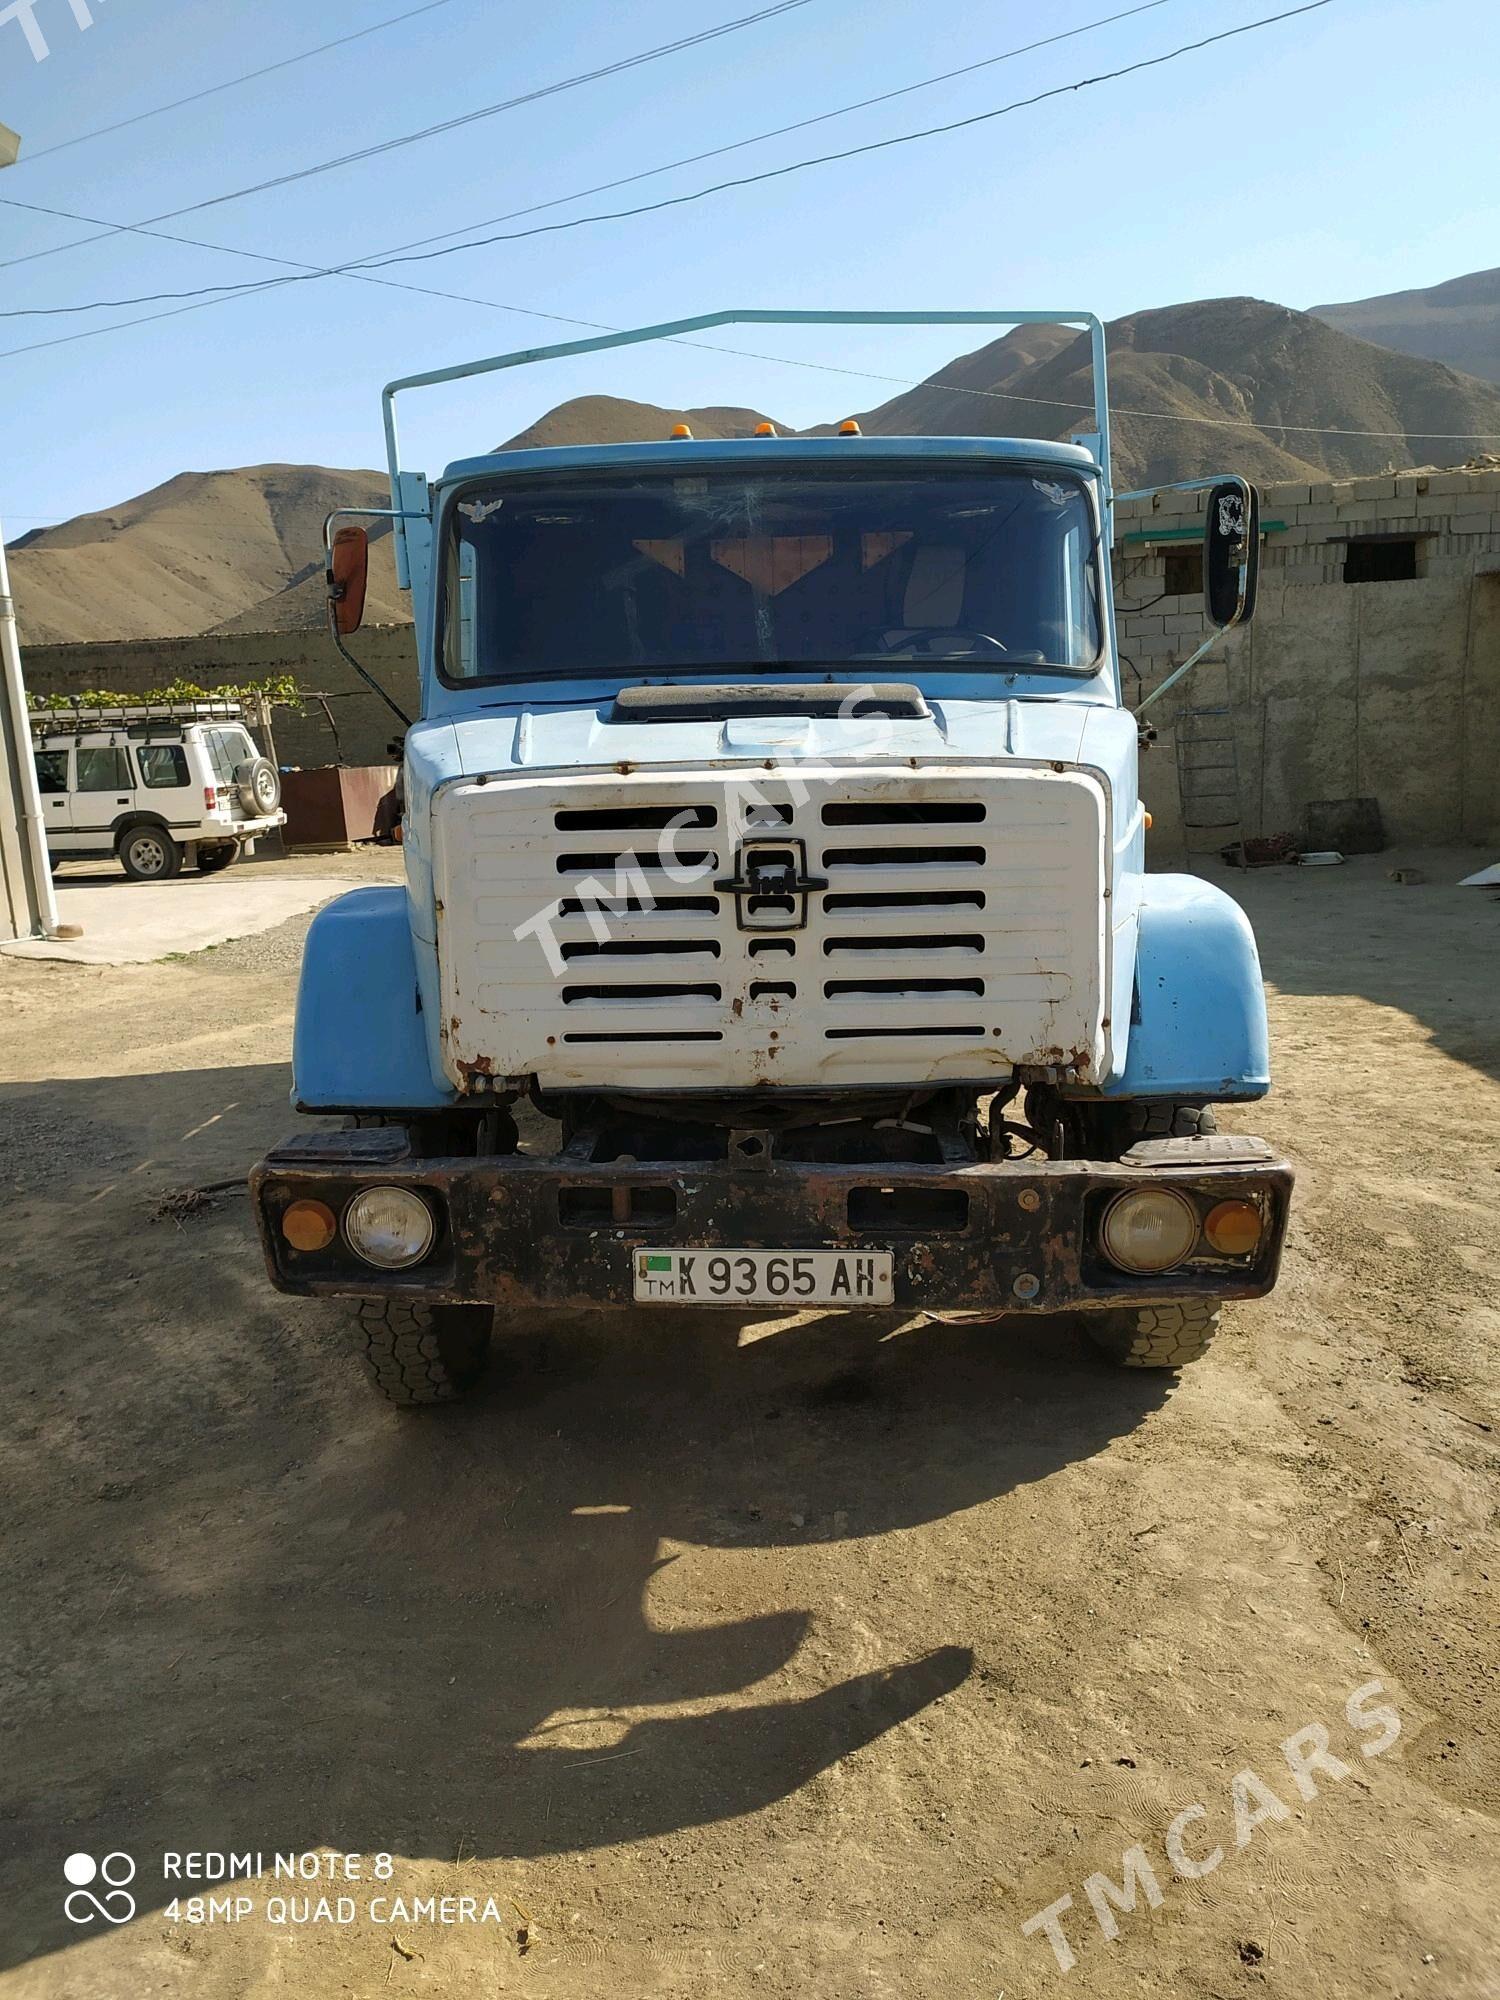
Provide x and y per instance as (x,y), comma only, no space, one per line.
(850,429)
(680,431)
(766,430)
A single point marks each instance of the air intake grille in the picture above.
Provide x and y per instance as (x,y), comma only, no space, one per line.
(960,930)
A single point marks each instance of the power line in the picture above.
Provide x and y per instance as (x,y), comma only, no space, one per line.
(617,68)
(233,82)
(782,131)
(822,368)
(365,269)
(856,152)
(384,261)
(556,201)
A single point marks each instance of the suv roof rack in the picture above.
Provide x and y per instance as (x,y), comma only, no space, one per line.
(61,714)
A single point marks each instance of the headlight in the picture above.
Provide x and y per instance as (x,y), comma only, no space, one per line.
(389,1227)
(1149,1229)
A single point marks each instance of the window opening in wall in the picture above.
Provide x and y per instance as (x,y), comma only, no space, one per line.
(1385,561)
(1184,576)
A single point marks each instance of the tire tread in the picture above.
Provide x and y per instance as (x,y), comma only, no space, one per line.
(1158,1336)
(411,1357)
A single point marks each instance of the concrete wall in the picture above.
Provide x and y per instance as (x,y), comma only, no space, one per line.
(1336,690)
(365,725)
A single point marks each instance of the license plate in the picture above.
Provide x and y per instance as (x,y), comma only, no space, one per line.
(764,1277)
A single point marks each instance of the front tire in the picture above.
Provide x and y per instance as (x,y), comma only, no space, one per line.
(1106,1128)
(416,1354)
(148,854)
(1167,1336)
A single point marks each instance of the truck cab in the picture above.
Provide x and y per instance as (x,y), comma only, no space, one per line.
(773,830)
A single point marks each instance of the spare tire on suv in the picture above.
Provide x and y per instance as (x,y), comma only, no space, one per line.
(259,785)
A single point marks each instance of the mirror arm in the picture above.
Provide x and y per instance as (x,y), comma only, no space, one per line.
(1173,678)
(367,677)
(366,514)
(363,514)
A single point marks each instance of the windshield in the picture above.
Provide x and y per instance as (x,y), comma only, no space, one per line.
(670,572)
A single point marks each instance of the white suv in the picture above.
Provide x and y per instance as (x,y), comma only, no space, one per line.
(155,784)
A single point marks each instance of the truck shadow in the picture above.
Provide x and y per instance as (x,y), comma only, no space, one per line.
(254,1609)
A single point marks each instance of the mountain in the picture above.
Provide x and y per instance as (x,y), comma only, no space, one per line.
(301,605)
(1219,383)
(614,420)
(1457,323)
(1216,385)
(191,555)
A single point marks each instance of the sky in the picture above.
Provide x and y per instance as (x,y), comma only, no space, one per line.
(1345,152)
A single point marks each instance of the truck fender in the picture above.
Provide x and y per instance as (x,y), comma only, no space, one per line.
(360,1042)
(1198,1009)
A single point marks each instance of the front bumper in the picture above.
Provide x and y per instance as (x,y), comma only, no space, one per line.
(1017,1236)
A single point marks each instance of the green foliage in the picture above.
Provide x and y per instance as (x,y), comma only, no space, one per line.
(281,689)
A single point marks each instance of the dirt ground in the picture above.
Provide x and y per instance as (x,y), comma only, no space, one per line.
(733,1658)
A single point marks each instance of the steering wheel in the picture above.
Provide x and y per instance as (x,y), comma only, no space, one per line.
(926,642)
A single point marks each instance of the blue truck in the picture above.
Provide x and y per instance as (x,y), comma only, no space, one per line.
(772,829)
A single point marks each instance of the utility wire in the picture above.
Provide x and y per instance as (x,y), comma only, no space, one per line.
(217,295)
(782,131)
(233,82)
(647,173)
(557,201)
(857,152)
(383,260)
(820,368)
(415,255)
(364,271)
(625,63)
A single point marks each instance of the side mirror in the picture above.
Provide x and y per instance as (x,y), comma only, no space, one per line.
(1231,552)
(348,574)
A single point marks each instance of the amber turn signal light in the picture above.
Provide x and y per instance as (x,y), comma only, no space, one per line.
(309,1225)
(1233,1227)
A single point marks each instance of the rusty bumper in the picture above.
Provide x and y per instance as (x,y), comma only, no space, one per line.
(1015,1236)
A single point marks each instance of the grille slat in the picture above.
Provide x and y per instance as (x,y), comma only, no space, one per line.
(919,862)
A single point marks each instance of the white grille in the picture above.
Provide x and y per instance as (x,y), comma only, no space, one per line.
(961,930)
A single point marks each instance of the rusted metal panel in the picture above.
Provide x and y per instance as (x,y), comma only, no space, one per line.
(523,1231)
(332,805)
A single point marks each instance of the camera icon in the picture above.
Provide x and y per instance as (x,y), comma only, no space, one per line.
(82,1905)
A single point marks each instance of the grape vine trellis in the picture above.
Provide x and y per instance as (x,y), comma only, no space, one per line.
(280,689)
